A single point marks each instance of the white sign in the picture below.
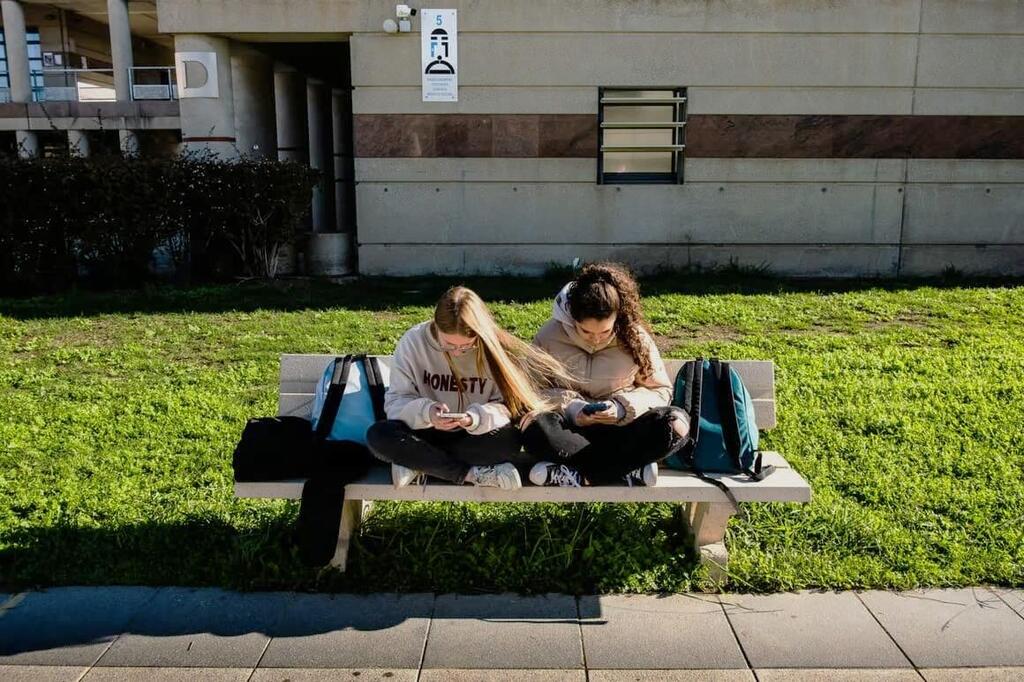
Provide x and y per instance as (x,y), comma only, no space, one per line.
(197,74)
(440,50)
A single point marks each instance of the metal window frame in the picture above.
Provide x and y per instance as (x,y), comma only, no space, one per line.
(679,103)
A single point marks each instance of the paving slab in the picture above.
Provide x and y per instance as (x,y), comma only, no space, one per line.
(157,674)
(67,625)
(484,675)
(504,631)
(331,674)
(201,628)
(351,631)
(810,630)
(951,628)
(671,676)
(41,673)
(973,674)
(638,632)
(837,675)
(1013,598)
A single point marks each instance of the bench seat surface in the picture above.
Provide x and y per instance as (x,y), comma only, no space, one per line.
(785,485)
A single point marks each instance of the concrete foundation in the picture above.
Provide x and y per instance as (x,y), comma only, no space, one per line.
(328,255)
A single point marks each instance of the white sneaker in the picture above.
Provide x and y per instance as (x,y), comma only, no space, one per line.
(645,475)
(548,473)
(504,476)
(402,476)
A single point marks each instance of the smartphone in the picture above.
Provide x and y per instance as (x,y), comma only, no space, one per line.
(452,415)
(594,408)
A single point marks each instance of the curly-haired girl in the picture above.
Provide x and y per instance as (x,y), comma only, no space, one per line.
(617,423)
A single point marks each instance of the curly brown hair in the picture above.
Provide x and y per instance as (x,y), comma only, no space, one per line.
(601,290)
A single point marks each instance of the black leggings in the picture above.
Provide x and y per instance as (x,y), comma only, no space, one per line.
(447,455)
(605,453)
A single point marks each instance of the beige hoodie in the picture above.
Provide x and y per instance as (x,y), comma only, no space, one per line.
(421,376)
(606,372)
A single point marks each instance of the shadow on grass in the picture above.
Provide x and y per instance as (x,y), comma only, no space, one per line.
(402,547)
(389,293)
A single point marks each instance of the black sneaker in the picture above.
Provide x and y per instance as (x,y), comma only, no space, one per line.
(549,473)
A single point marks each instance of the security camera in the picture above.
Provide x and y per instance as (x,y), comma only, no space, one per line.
(403,11)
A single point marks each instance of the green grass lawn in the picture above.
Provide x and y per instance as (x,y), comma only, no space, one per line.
(902,404)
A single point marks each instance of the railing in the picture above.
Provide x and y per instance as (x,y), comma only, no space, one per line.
(97,85)
(153,82)
(78,85)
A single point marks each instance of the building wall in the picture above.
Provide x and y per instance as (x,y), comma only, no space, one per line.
(825,137)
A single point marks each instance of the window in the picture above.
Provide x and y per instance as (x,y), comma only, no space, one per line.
(35,66)
(641,136)
(5,82)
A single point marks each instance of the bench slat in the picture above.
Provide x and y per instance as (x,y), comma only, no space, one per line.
(301,404)
(785,485)
(299,373)
(295,404)
(758,375)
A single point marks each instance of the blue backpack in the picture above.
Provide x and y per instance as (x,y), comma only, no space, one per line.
(723,431)
(349,398)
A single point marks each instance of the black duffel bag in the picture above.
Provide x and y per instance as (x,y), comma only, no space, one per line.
(274,449)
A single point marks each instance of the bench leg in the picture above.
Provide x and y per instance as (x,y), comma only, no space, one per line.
(351,515)
(707,523)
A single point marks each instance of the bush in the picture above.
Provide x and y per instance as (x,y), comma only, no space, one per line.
(98,221)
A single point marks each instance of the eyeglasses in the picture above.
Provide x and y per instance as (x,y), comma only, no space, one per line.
(452,348)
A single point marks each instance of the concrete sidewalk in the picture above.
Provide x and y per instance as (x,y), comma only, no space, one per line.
(128,633)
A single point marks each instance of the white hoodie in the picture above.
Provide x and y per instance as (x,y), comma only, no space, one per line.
(421,377)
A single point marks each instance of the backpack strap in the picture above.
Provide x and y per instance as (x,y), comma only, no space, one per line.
(718,484)
(375,386)
(335,392)
(692,399)
(727,409)
(731,424)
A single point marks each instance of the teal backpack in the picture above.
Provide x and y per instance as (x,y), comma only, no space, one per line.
(349,398)
(723,431)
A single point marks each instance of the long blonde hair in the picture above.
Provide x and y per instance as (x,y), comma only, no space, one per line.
(521,371)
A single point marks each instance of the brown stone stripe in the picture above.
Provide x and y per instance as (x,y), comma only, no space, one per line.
(475,135)
(707,136)
(856,137)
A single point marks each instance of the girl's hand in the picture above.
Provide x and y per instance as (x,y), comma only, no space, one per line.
(528,419)
(445,424)
(609,415)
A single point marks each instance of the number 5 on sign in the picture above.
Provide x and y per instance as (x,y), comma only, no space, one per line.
(439,41)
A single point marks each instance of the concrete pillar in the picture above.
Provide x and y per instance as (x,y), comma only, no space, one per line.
(17,50)
(128,140)
(206,100)
(252,79)
(319,136)
(120,47)
(17,70)
(78,143)
(27,143)
(290,113)
(344,188)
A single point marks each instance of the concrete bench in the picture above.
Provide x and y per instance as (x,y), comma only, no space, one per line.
(705,508)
